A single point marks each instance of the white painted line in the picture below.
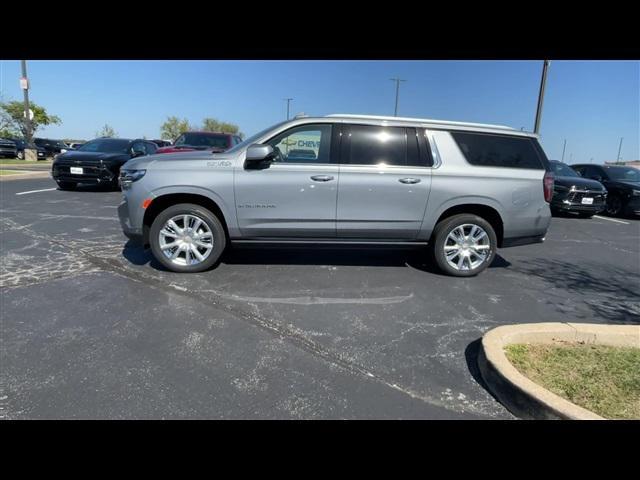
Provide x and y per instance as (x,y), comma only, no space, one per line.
(610,219)
(36,191)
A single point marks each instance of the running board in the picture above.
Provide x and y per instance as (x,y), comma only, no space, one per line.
(324,241)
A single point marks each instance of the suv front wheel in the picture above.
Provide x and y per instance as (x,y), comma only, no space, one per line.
(464,245)
(187,238)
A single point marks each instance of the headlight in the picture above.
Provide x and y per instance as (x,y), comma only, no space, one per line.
(636,192)
(127,177)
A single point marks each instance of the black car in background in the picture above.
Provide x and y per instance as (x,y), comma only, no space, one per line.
(7,148)
(622,183)
(21,145)
(97,161)
(51,147)
(572,193)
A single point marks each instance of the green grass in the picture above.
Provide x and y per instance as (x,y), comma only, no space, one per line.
(15,161)
(10,172)
(603,379)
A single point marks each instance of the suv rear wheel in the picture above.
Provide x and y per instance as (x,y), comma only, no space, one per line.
(464,245)
(187,238)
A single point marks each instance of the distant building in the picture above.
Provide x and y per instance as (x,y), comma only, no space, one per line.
(629,163)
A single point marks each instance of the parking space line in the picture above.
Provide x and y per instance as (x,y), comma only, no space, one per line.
(611,219)
(36,191)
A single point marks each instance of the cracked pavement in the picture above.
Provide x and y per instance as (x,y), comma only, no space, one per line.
(94,328)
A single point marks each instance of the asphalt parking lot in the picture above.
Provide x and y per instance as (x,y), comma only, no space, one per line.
(94,328)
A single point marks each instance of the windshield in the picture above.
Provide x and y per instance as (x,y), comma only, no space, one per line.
(202,140)
(106,145)
(563,170)
(624,174)
(252,139)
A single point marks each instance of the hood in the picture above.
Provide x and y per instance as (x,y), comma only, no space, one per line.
(186,148)
(73,156)
(143,163)
(578,182)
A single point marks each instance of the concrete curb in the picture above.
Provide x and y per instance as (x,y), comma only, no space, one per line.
(525,398)
(24,176)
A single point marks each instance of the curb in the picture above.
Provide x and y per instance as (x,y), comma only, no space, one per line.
(24,176)
(527,399)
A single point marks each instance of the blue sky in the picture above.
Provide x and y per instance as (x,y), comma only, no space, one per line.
(590,103)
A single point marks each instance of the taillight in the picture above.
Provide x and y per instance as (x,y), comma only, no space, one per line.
(547,184)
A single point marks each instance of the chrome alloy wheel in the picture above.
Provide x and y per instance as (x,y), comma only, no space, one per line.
(186,240)
(467,247)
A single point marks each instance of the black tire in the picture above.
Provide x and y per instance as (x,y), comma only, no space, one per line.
(20,155)
(67,185)
(212,221)
(585,215)
(614,205)
(439,238)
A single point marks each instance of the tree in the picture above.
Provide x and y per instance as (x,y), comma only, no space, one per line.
(173,127)
(107,131)
(14,123)
(213,125)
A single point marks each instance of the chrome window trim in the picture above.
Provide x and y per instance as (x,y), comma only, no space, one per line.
(435,153)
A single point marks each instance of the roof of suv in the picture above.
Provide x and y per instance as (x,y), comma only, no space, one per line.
(429,123)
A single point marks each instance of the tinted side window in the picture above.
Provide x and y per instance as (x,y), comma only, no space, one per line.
(151,148)
(578,169)
(487,150)
(304,144)
(372,145)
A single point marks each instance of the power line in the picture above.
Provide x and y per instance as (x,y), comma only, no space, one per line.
(397,80)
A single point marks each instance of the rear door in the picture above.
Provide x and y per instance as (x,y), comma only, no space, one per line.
(385,179)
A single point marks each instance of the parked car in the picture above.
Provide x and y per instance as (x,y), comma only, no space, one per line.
(162,143)
(572,193)
(52,147)
(463,189)
(21,145)
(214,142)
(622,183)
(97,161)
(8,148)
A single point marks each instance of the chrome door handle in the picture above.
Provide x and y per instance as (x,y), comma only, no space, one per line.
(321,178)
(409,181)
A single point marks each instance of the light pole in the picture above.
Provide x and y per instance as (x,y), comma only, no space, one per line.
(24,83)
(543,82)
(563,149)
(397,80)
(619,150)
(288,102)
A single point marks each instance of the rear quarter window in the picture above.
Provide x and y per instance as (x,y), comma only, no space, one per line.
(488,150)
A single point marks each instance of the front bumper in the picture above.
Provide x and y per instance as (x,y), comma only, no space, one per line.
(8,152)
(571,201)
(91,173)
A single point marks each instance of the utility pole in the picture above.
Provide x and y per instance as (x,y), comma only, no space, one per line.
(288,102)
(24,83)
(397,80)
(543,82)
(563,149)
(619,150)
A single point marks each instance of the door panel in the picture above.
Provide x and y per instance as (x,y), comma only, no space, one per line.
(374,203)
(296,196)
(382,191)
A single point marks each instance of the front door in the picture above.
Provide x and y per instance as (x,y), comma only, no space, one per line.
(296,195)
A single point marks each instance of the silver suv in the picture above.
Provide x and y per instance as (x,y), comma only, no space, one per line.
(462,189)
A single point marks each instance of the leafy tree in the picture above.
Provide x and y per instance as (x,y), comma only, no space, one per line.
(14,123)
(106,131)
(213,125)
(173,127)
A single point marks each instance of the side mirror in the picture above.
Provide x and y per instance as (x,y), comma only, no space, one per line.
(258,156)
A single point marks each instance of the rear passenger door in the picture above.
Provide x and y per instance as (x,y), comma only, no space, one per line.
(384,185)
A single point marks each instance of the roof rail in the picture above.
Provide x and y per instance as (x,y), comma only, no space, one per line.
(422,120)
